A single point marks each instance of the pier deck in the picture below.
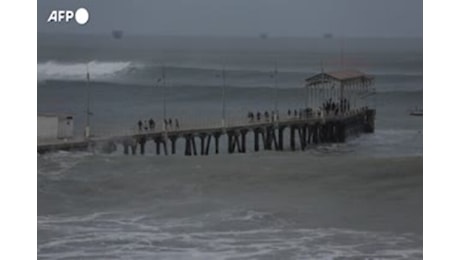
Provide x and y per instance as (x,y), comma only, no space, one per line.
(268,135)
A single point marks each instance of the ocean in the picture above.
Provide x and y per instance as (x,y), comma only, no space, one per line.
(362,199)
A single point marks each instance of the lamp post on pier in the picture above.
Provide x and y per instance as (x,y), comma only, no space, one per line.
(223,76)
(88,112)
(275,90)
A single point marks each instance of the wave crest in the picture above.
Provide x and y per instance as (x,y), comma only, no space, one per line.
(52,70)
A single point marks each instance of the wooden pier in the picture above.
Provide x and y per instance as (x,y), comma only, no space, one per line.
(335,108)
(301,132)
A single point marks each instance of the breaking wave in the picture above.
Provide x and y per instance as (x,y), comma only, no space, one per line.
(99,70)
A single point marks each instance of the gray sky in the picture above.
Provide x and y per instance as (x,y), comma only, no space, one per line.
(296,18)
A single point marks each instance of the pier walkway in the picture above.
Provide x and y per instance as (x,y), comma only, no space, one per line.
(203,140)
(340,100)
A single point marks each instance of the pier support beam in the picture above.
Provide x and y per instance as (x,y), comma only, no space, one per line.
(157,145)
(208,144)
(173,139)
(188,148)
(273,138)
(216,141)
(280,138)
(268,138)
(292,137)
(165,146)
(133,149)
(369,126)
(142,141)
(230,142)
(161,141)
(192,138)
(202,143)
(236,143)
(315,133)
(302,136)
(341,132)
(125,148)
(243,140)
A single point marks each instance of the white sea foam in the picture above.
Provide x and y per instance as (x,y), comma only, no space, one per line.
(58,163)
(98,236)
(52,70)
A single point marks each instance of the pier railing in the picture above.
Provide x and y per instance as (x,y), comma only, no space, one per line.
(198,124)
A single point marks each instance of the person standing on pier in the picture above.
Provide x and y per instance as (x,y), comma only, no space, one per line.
(139,124)
(177,124)
(251,117)
(151,124)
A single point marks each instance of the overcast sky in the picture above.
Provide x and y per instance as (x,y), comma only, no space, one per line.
(292,18)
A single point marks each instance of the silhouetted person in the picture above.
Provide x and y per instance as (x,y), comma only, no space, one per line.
(170,122)
(139,124)
(266,115)
(258,116)
(177,124)
(145,125)
(251,117)
(151,124)
(289,112)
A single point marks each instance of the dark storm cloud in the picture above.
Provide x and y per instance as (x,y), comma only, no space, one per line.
(383,18)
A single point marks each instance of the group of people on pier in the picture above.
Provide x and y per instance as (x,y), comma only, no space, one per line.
(267,116)
(300,113)
(328,107)
(335,107)
(273,116)
(149,125)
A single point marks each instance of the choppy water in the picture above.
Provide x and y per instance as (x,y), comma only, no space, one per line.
(358,200)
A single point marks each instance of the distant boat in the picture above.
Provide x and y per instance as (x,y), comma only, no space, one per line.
(117,34)
(328,36)
(416,112)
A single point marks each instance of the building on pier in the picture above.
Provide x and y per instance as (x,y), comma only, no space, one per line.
(351,88)
(54,126)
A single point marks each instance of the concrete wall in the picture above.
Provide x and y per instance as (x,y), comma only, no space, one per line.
(54,127)
(47,127)
(65,127)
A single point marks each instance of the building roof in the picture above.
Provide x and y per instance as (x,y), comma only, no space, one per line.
(343,76)
(59,115)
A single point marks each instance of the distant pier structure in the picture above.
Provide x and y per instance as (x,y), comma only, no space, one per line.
(336,107)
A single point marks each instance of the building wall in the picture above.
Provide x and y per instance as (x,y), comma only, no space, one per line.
(65,127)
(47,127)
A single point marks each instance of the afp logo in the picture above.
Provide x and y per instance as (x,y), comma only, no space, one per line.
(81,16)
